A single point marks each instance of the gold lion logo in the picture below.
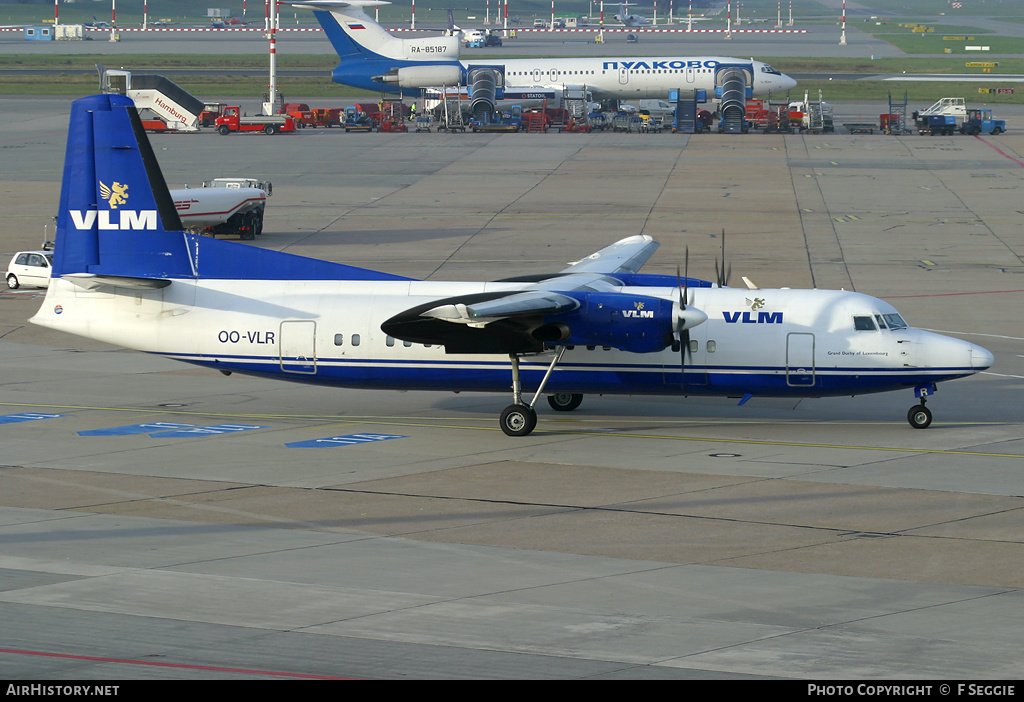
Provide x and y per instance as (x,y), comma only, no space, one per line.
(116,194)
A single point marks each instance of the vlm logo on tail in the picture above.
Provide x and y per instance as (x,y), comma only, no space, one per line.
(115,195)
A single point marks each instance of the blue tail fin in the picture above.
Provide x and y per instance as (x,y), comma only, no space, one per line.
(117,219)
(111,201)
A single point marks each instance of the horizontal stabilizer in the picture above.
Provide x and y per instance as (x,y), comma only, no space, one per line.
(90,281)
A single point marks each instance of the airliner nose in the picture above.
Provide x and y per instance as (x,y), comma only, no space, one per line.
(981,358)
(787,82)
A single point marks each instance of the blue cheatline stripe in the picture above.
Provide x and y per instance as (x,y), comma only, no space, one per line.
(494,376)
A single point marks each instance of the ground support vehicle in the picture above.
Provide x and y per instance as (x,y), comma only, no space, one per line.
(370,109)
(357,121)
(535,121)
(392,116)
(234,121)
(423,123)
(600,121)
(577,126)
(942,117)
(211,111)
(29,268)
(649,124)
(936,125)
(980,121)
(300,112)
(157,99)
(625,122)
(327,116)
(232,206)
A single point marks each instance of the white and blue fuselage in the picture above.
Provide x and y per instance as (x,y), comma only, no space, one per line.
(373,59)
(806,343)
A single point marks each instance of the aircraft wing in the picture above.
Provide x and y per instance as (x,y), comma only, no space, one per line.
(625,256)
(525,304)
(517,321)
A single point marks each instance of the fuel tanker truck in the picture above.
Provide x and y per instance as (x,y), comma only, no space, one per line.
(232,206)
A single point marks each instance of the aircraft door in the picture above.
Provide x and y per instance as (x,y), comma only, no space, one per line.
(800,359)
(538,75)
(695,359)
(691,75)
(297,346)
(623,76)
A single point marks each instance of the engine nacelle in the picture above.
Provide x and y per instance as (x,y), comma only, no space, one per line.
(635,323)
(432,75)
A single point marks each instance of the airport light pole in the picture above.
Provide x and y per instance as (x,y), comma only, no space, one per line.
(842,37)
(268,106)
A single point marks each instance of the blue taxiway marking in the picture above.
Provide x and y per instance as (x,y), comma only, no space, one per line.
(348,440)
(26,417)
(192,432)
(171,430)
(135,429)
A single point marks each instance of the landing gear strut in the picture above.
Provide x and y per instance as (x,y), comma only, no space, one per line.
(519,418)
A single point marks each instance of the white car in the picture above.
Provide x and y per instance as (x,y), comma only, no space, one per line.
(30,268)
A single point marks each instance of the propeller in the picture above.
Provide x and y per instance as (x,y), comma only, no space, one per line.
(688,317)
(722,274)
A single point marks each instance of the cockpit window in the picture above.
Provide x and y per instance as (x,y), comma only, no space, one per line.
(864,323)
(895,321)
(765,68)
(881,322)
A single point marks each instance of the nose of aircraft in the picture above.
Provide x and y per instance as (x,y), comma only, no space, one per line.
(787,82)
(981,358)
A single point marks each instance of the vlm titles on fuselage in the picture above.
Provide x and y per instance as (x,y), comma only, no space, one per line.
(127,276)
(374,59)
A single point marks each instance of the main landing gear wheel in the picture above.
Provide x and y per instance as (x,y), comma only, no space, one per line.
(565,401)
(919,416)
(518,420)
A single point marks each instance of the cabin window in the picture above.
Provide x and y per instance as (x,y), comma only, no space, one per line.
(339,339)
(693,346)
(712,346)
(390,341)
(355,340)
(864,323)
(407,344)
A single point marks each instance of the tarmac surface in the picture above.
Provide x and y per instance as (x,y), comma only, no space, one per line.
(158,521)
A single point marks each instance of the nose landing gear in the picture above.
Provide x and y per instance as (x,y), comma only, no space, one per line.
(920,416)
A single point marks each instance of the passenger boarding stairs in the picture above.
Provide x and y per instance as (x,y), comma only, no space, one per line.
(156,94)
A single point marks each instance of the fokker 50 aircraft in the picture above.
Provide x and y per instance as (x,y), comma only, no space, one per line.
(373,59)
(124,273)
